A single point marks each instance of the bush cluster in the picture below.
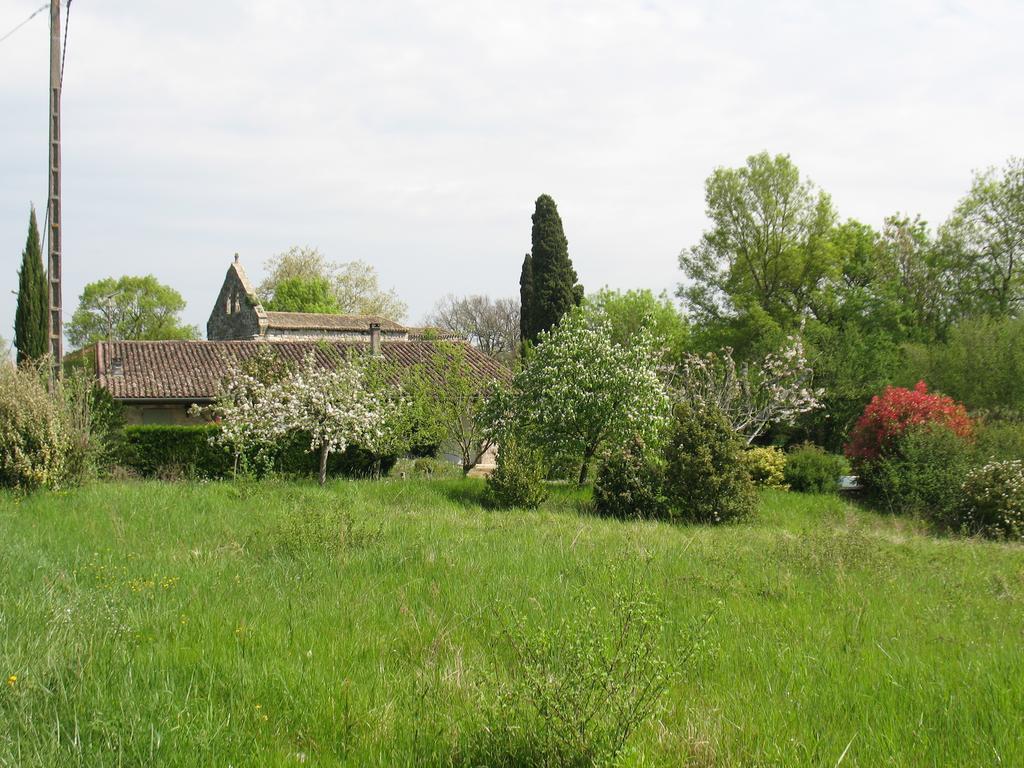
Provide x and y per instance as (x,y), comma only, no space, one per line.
(767,467)
(630,484)
(810,469)
(889,415)
(921,474)
(699,475)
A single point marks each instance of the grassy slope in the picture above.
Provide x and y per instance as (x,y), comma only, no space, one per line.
(213,624)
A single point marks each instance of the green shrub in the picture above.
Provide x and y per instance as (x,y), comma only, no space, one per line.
(705,477)
(999,440)
(630,484)
(767,467)
(993,500)
(572,695)
(182,451)
(164,450)
(33,431)
(923,473)
(518,478)
(811,469)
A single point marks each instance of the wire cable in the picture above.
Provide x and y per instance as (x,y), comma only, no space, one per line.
(64,51)
(35,13)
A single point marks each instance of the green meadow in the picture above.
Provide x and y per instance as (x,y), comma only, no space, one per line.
(279,623)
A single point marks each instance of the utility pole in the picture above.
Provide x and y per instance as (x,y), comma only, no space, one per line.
(55,321)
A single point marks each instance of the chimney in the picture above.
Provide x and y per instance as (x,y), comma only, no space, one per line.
(374,338)
(116,366)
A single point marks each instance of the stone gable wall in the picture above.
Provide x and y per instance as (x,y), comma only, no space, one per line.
(234,315)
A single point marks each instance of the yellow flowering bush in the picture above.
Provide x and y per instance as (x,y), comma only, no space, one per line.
(767,467)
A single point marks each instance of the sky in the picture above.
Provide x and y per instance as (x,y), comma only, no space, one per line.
(416,136)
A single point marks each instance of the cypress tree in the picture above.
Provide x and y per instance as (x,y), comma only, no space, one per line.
(30,328)
(526,299)
(555,290)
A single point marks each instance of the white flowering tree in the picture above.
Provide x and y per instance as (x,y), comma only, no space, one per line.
(335,406)
(581,391)
(249,416)
(753,398)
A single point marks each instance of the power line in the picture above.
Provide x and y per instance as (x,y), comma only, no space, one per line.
(35,13)
(64,52)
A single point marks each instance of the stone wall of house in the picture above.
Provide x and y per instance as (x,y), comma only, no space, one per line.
(236,315)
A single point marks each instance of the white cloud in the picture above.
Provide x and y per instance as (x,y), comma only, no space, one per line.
(417,135)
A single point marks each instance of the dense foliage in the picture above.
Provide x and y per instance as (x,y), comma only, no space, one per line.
(518,478)
(767,466)
(303,294)
(354,285)
(554,289)
(630,312)
(128,307)
(921,472)
(809,468)
(34,435)
(630,484)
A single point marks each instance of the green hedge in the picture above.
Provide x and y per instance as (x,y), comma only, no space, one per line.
(156,449)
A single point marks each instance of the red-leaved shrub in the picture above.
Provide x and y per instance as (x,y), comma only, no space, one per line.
(889,415)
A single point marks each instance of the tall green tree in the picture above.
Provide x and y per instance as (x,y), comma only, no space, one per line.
(128,308)
(354,284)
(30,327)
(526,299)
(634,311)
(555,289)
(985,235)
(302,294)
(768,251)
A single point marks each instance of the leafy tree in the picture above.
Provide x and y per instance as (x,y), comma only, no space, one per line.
(452,397)
(334,406)
(526,299)
(981,363)
(300,294)
(581,390)
(555,290)
(31,330)
(354,284)
(768,247)
(490,325)
(750,398)
(128,308)
(986,232)
(631,312)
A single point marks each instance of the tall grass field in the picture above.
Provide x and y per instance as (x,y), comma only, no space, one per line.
(385,624)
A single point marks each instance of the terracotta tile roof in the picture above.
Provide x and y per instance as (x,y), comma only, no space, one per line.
(294,321)
(194,370)
(432,333)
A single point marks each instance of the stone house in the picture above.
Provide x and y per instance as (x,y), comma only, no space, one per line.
(157,382)
(238,315)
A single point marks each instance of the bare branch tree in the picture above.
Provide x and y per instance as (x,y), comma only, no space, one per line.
(490,325)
